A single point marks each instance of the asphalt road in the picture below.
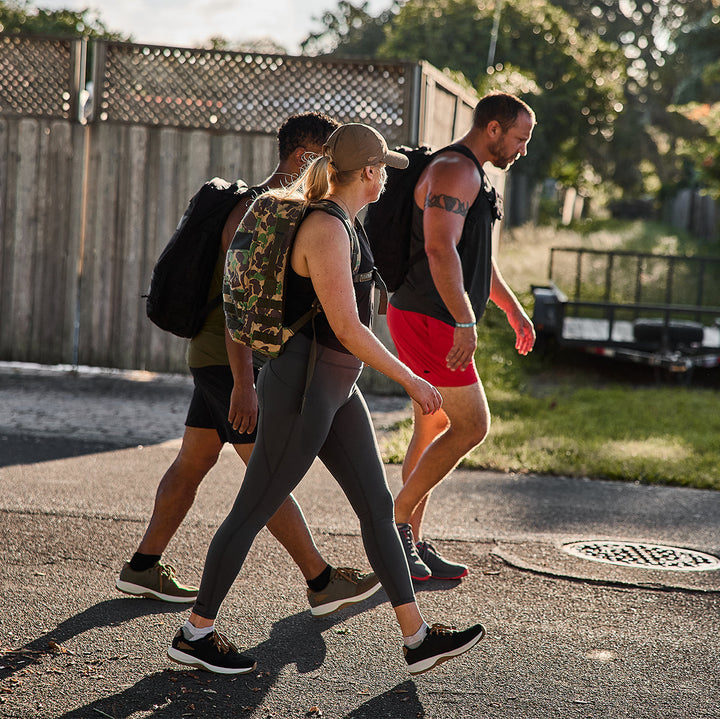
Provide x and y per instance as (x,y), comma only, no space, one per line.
(80,458)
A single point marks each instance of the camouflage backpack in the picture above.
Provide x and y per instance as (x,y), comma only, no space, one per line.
(255,270)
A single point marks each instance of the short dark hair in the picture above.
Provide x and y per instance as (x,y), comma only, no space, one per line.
(300,130)
(502,107)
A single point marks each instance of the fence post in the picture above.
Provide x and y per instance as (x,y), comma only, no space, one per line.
(568,212)
(77,80)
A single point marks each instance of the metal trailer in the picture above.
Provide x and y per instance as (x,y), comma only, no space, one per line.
(657,309)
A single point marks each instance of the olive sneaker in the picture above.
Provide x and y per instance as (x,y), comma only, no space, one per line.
(346,586)
(440,567)
(440,644)
(214,653)
(418,569)
(158,582)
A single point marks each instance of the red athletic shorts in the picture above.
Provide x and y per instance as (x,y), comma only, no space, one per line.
(423,344)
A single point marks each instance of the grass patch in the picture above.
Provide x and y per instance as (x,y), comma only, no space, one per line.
(650,435)
(575,415)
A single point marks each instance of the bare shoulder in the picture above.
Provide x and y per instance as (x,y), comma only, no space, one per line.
(450,174)
(452,168)
(321,232)
(323,222)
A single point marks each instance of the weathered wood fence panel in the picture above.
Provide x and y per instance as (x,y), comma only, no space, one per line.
(140,180)
(40,164)
(694,212)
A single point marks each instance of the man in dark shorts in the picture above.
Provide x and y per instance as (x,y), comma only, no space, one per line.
(433,314)
(207,429)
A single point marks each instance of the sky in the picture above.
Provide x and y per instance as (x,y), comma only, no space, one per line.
(188,23)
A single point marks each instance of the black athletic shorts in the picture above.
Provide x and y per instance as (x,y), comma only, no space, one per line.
(210,403)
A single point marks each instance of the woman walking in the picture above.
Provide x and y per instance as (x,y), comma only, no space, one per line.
(324,416)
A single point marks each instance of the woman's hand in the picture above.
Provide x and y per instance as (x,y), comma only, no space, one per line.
(424,394)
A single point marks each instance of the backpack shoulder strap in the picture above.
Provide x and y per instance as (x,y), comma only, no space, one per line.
(358,277)
(336,211)
(242,192)
(463,150)
(253,191)
(486,187)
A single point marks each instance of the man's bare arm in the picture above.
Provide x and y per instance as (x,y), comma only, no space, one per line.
(231,224)
(447,203)
(449,191)
(505,299)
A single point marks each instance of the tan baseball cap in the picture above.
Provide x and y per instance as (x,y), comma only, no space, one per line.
(354,146)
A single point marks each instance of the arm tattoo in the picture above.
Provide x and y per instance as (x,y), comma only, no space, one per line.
(447,203)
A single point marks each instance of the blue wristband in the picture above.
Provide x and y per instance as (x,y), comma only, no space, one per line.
(464,324)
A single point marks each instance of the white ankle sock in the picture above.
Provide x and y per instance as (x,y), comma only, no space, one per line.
(414,641)
(193,633)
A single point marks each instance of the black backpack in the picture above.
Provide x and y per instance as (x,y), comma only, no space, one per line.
(177,300)
(389,220)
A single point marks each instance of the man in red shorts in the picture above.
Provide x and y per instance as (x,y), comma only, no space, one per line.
(433,314)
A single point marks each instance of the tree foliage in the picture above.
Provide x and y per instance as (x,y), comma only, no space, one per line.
(697,60)
(19,16)
(650,36)
(700,152)
(698,70)
(602,75)
(350,31)
(573,82)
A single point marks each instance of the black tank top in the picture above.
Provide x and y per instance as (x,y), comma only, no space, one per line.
(301,294)
(418,293)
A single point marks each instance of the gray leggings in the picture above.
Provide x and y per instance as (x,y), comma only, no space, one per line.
(335,426)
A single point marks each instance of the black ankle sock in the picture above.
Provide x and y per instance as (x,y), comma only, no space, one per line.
(321,581)
(141,562)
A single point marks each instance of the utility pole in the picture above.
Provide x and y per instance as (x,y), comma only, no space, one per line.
(494,33)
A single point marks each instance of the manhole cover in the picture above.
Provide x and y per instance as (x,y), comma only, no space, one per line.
(646,556)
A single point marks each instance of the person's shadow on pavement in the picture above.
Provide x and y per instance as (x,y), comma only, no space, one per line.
(169,694)
(110,613)
(400,702)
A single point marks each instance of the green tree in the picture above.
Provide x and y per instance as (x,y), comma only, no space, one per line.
(263,45)
(447,33)
(650,35)
(697,60)
(698,156)
(19,16)
(349,31)
(574,80)
(606,77)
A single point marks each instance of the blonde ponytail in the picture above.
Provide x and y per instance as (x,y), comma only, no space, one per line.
(314,183)
(315,179)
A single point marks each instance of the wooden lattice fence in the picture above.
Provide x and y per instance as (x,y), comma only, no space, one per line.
(89,194)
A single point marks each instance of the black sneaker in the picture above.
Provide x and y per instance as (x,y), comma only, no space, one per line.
(440,644)
(418,569)
(214,653)
(440,567)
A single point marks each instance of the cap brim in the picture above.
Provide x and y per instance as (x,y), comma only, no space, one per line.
(396,159)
